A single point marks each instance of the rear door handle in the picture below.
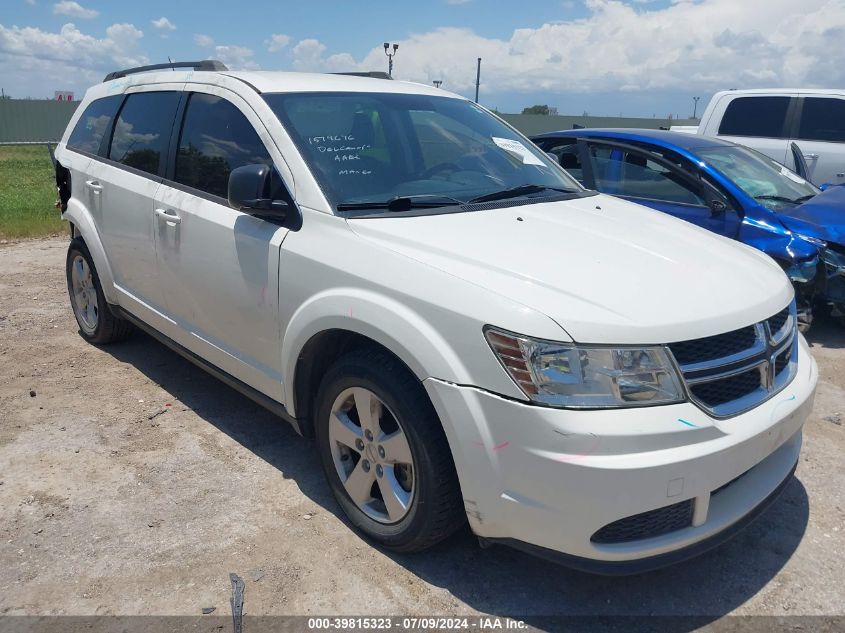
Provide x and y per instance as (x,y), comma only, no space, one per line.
(94,186)
(168,216)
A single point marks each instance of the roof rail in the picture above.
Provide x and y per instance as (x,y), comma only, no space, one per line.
(375,74)
(205,64)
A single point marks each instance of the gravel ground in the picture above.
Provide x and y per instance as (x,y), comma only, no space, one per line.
(133,483)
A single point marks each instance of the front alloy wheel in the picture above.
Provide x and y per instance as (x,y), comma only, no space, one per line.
(371,455)
(384,452)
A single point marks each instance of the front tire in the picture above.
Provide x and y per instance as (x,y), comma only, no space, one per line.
(96,322)
(385,454)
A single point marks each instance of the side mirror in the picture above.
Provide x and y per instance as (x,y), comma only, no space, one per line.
(825,186)
(717,207)
(249,188)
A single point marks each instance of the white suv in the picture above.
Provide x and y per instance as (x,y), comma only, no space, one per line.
(466,331)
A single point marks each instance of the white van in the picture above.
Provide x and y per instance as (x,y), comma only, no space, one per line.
(791,126)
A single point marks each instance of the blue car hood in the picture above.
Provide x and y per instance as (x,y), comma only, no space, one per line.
(822,216)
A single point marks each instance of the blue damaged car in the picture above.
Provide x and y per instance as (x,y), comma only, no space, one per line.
(723,187)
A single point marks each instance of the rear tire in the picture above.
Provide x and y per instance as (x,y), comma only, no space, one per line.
(97,323)
(391,469)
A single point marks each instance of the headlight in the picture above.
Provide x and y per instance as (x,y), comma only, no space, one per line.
(834,261)
(802,272)
(568,375)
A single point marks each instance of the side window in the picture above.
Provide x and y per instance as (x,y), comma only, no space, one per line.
(216,138)
(567,155)
(93,124)
(627,173)
(755,116)
(822,119)
(142,131)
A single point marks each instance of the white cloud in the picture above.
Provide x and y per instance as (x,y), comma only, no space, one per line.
(277,42)
(74,10)
(163,24)
(236,57)
(704,46)
(31,2)
(37,62)
(308,57)
(204,41)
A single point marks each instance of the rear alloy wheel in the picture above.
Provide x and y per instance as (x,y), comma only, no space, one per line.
(97,323)
(83,295)
(385,454)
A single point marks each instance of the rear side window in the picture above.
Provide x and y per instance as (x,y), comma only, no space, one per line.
(822,119)
(566,152)
(93,124)
(216,138)
(142,131)
(755,116)
(626,173)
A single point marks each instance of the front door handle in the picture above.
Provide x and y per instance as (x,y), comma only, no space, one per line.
(94,186)
(168,216)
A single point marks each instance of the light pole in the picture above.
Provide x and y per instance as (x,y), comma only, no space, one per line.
(390,56)
(437,83)
(477,79)
(695,106)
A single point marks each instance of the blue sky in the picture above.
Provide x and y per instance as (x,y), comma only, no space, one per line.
(606,57)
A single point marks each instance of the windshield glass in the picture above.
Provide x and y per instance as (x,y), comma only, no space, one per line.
(762,178)
(375,147)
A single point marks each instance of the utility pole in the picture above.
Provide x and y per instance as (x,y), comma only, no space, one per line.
(477,79)
(695,106)
(390,57)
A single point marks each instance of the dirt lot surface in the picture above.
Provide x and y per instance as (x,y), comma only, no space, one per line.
(133,483)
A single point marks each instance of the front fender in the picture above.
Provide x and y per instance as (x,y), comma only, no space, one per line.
(388,322)
(85,227)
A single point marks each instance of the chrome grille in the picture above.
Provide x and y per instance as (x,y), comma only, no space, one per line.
(730,373)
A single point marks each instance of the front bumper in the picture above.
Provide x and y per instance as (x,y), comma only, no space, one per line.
(549,479)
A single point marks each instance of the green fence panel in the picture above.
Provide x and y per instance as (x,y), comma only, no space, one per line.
(29,121)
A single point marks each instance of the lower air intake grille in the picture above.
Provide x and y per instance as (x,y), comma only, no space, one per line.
(646,524)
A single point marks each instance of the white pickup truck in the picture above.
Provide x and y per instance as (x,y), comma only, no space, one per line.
(793,126)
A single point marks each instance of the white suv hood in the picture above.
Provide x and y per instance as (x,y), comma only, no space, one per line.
(606,270)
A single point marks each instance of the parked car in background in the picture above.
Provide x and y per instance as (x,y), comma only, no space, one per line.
(790,126)
(467,332)
(726,188)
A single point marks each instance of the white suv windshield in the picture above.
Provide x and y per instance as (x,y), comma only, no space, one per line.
(371,148)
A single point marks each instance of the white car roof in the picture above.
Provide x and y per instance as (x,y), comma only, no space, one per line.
(272,81)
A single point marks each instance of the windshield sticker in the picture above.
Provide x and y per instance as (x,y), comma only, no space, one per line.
(515,147)
(792,176)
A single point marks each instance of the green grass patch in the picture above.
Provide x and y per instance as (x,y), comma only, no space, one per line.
(27,192)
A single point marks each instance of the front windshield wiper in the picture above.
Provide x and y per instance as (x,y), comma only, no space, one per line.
(401,203)
(515,192)
(779,199)
(804,199)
